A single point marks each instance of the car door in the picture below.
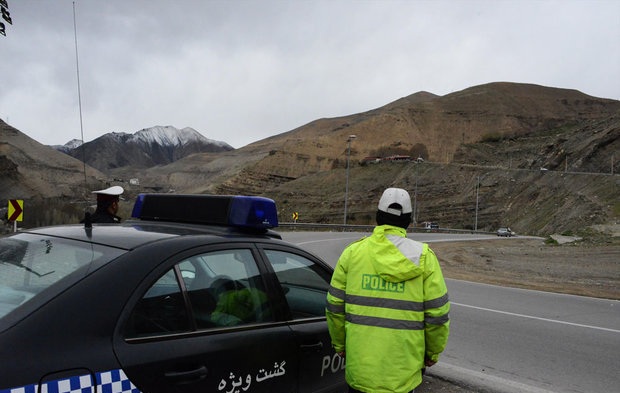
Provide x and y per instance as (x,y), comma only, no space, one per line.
(304,281)
(203,322)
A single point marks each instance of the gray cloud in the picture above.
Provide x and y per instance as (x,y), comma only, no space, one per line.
(240,71)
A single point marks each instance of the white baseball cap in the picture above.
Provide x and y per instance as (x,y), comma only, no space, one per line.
(395,196)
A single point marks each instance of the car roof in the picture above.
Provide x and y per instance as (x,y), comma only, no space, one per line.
(160,216)
(134,233)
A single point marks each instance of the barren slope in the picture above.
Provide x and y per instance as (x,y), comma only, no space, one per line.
(30,169)
(587,270)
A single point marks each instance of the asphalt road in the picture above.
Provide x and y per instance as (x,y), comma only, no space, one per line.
(514,340)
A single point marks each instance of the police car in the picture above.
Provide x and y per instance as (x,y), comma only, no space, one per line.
(194,294)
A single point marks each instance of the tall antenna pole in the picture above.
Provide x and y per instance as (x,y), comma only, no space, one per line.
(77,68)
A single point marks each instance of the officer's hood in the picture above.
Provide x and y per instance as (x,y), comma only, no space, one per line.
(394,257)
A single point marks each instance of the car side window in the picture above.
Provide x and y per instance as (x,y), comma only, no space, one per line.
(227,289)
(224,288)
(305,283)
(161,310)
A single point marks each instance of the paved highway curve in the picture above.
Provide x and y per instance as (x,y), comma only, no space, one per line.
(514,340)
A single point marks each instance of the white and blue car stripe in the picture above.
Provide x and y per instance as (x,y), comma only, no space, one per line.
(113,381)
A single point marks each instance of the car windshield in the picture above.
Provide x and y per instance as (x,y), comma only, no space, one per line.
(31,265)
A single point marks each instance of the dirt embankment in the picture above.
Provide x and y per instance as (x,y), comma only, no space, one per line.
(579,269)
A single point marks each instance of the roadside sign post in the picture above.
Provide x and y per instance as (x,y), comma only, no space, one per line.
(16,212)
(295,216)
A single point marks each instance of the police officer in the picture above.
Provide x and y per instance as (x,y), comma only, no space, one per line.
(387,307)
(107,206)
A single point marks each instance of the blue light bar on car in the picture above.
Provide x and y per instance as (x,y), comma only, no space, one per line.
(239,211)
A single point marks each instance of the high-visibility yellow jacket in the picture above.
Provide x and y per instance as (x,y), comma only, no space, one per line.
(387,307)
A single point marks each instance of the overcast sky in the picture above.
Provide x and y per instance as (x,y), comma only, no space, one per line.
(240,71)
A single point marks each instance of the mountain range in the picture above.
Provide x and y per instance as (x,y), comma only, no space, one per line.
(536,158)
(146,148)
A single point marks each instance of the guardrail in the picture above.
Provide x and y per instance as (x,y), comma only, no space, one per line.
(368,228)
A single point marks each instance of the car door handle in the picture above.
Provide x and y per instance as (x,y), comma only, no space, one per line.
(312,347)
(188,376)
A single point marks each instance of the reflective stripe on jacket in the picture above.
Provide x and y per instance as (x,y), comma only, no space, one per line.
(387,307)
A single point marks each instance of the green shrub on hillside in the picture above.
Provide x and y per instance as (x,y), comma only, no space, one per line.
(492,137)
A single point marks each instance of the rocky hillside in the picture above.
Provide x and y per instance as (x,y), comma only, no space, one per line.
(483,151)
(32,170)
(489,140)
(431,126)
(436,128)
(51,183)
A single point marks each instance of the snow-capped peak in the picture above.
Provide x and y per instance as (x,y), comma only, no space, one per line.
(166,137)
(171,136)
(72,144)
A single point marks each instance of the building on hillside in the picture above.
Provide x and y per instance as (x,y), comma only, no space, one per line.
(370,160)
(398,158)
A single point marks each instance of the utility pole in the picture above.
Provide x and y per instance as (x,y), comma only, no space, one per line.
(477,193)
(346,190)
(415,196)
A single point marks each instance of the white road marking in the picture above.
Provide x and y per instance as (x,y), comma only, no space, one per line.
(537,318)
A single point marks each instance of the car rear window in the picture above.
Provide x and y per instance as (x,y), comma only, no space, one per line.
(31,265)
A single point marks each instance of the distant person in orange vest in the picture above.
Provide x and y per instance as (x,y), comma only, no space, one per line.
(107,206)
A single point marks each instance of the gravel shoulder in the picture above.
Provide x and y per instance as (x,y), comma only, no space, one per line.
(572,268)
(578,269)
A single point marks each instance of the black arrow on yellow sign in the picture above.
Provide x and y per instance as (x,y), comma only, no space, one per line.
(16,210)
